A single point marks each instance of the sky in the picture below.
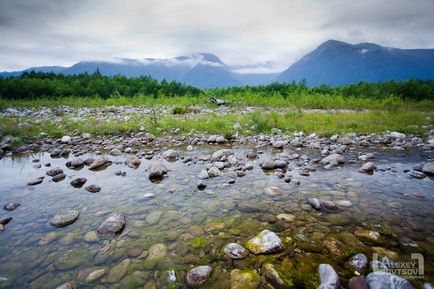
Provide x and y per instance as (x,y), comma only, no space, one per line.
(267,35)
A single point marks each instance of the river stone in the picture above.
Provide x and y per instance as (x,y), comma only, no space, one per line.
(198,275)
(213,172)
(100,162)
(428,168)
(244,279)
(54,171)
(11,206)
(59,177)
(78,182)
(272,191)
(328,277)
(115,152)
(90,237)
(315,203)
(95,275)
(35,182)
(67,285)
(329,206)
(272,277)
(359,262)
(235,251)
(118,271)
(203,175)
(266,242)
(221,153)
(78,162)
(358,282)
(64,218)
(112,225)
(65,139)
(268,164)
(154,217)
(382,280)
(132,161)
(286,217)
(333,159)
(157,251)
(156,170)
(170,154)
(367,167)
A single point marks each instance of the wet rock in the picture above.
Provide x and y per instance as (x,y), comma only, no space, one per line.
(286,217)
(315,203)
(272,277)
(344,203)
(132,161)
(65,139)
(329,206)
(235,251)
(156,170)
(95,275)
(112,225)
(201,185)
(266,242)
(396,135)
(359,262)
(93,188)
(157,251)
(89,161)
(272,191)
(170,155)
(416,175)
(154,217)
(48,238)
(244,279)
(381,280)
(358,282)
(36,181)
(75,163)
(367,235)
(54,171)
(59,177)
(115,152)
(78,182)
(203,175)
(198,275)
(90,237)
(68,285)
(11,206)
(367,168)
(64,218)
(328,277)
(118,271)
(280,164)
(100,163)
(333,159)
(428,169)
(218,155)
(268,164)
(4,221)
(213,172)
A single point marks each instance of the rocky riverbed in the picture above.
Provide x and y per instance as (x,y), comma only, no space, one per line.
(136,211)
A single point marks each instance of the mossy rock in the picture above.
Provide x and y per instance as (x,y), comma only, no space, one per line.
(73,258)
(199,242)
(245,279)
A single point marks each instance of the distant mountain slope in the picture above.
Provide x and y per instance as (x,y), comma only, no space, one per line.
(336,63)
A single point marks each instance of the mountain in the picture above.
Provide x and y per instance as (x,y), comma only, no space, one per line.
(55,69)
(336,63)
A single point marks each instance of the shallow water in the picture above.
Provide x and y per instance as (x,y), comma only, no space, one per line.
(195,225)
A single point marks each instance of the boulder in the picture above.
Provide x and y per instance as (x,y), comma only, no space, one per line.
(216,156)
(235,251)
(244,279)
(112,225)
(266,242)
(381,280)
(334,159)
(367,167)
(328,277)
(428,169)
(100,162)
(198,275)
(64,218)
(156,170)
(132,161)
(171,155)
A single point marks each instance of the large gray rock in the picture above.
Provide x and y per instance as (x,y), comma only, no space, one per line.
(64,218)
(315,203)
(54,172)
(328,277)
(235,251)
(333,159)
(428,169)
(213,172)
(100,162)
(156,170)
(112,225)
(78,162)
(367,167)
(132,161)
(266,242)
(198,275)
(268,164)
(170,155)
(221,153)
(383,280)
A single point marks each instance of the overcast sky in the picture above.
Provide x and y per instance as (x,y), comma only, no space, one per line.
(275,32)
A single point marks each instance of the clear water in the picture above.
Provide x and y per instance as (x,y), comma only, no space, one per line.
(195,225)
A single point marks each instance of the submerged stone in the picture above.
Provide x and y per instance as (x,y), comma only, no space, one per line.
(244,279)
(64,218)
(198,275)
(381,280)
(235,251)
(266,242)
(112,225)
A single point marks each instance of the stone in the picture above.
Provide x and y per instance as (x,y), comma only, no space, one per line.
(65,139)
(64,218)
(78,162)
(93,188)
(35,182)
(67,285)
(54,171)
(359,262)
(78,182)
(118,271)
(329,206)
(48,238)
(157,251)
(235,251)
(203,175)
(272,191)
(366,234)
(213,172)
(154,217)
(344,203)
(266,242)
(358,282)
(90,237)
(268,164)
(221,153)
(382,280)
(416,175)
(59,177)
(95,275)
(314,202)
(428,169)
(333,159)
(156,170)
(112,225)
(244,279)
(198,275)
(100,163)
(132,161)
(328,277)
(170,155)
(367,167)
(115,152)
(286,217)
(201,185)
(395,134)
(272,277)
(11,206)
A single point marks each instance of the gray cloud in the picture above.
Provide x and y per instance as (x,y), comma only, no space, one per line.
(61,32)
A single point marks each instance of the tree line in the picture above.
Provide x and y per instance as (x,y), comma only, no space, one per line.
(31,85)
